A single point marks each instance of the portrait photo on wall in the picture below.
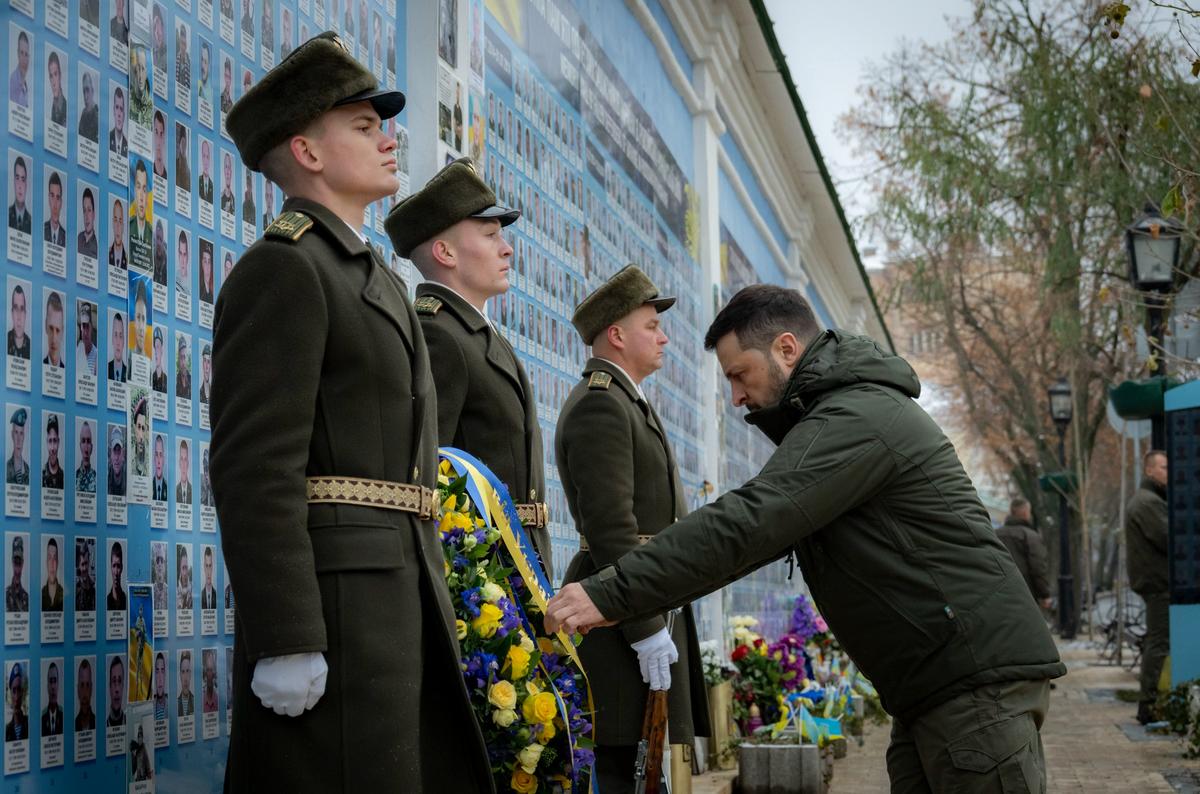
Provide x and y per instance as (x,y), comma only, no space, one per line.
(141,101)
(162,179)
(20,211)
(54,114)
(183,275)
(21,88)
(85,573)
(117,460)
(183,63)
(118,140)
(204,83)
(141,217)
(87,239)
(16,715)
(88,141)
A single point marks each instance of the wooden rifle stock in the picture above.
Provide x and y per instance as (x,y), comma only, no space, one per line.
(649,771)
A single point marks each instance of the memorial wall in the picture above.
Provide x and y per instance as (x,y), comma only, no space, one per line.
(127,208)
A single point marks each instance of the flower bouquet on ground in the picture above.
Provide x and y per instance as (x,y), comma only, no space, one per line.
(528,690)
(758,685)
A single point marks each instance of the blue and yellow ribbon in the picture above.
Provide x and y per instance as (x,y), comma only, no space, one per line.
(491,499)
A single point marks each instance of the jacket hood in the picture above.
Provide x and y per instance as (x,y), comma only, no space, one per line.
(833,360)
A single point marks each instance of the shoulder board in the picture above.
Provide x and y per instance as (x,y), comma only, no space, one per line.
(600,380)
(427,304)
(290,225)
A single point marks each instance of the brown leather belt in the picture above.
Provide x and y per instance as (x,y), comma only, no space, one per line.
(583,544)
(534,515)
(372,493)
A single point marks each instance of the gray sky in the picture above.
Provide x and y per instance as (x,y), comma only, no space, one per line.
(828,46)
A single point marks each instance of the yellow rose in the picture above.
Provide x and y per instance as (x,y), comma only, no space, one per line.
(539,708)
(453,520)
(488,621)
(526,643)
(523,782)
(502,695)
(547,732)
(545,645)
(517,661)
(504,717)
(460,628)
(491,592)
(529,757)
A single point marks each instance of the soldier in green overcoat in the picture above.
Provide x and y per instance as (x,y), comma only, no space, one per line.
(346,671)
(893,541)
(622,487)
(451,230)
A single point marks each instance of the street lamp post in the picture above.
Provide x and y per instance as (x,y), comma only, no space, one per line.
(1061,410)
(1153,244)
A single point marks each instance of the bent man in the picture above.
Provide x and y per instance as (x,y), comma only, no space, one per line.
(896,548)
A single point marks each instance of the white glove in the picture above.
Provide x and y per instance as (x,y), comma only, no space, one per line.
(290,684)
(656,654)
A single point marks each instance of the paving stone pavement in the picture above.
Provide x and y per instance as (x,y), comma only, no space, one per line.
(1087,737)
(1092,742)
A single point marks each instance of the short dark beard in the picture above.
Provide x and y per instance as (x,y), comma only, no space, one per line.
(777,382)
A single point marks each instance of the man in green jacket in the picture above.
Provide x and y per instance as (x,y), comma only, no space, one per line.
(451,230)
(622,487)
(1028,550)
(1146,544)
(894,544)
(346,669)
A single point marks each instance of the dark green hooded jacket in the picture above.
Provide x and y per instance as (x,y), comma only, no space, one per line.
(893,542)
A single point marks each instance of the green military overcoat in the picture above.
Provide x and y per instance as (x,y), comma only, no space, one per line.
(320,368)
(621,481)
(486,404)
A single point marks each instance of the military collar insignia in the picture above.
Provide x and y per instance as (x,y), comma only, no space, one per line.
(290,225)
(600,380)
(427,304)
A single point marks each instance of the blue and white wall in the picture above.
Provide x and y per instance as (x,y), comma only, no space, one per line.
(649,131)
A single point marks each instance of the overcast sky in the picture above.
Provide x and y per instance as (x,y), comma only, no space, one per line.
(828,47)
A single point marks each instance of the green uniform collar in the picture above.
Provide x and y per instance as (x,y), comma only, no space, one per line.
(470,316)
(337,228)
(618,375)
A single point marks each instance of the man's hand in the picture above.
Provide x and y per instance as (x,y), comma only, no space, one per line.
(656,654)
(572,610)
(290,684)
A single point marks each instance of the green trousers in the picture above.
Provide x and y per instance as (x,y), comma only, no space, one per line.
(614,768)
(987,740)
(1156,644)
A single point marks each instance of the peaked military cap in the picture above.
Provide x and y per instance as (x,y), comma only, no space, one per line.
(615,298)
(453,194)
(315,77)
(18,548)
(19,417)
